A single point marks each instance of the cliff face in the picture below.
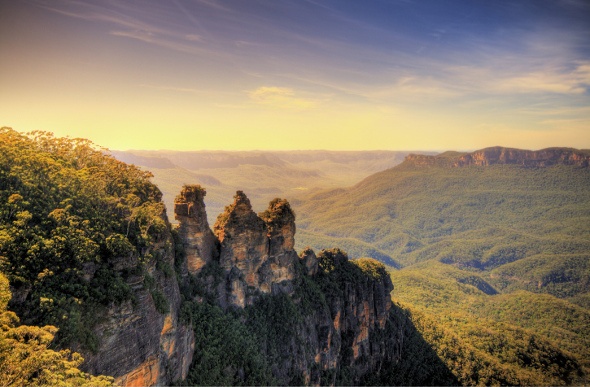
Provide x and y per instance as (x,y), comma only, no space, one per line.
(352,331)
(256,259)
(500,155)
(344,326)
(255,254)
(143,343)
(199,242)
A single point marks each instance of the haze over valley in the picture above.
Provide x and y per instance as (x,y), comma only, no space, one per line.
(276,174)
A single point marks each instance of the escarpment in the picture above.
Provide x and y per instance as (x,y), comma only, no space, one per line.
(500,155)
(142,342)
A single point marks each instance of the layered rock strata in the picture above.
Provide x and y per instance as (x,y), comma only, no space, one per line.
(500,155)
(349,327)
(142,343)
(200,245)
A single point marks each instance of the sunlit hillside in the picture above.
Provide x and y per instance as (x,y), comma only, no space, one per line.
(494,259)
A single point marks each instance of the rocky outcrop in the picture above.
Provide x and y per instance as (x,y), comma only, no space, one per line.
(500,155)
(256,254)
(256,258)
(541,158)
(309,261)
(200,245)
(348,332)
(344,326)
(143,343)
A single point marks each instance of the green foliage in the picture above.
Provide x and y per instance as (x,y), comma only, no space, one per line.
(272,320)
(564,276)
(480,218)
(160,301)
(191,193)
(518,338)
(68,214)
(26,357)
(371,268)
(466,235)
(336,271)
(226,352)
(277,214)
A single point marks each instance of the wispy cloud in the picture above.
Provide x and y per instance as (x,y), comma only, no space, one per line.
(155,39)
(495,80)
(193,38)
(280,97)
(148,25)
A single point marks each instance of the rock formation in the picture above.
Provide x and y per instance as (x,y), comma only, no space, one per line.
(347,327)
(198,239)
(141,343)
(540,158)
(256,256)
(500,155)
(350,331)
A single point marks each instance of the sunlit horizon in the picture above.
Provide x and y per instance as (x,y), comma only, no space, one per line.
(299,75)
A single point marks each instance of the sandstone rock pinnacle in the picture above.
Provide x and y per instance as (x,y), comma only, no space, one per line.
(199,241)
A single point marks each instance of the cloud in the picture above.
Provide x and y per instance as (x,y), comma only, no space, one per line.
(558,79)
(550,80)
(147,24)
(280,97)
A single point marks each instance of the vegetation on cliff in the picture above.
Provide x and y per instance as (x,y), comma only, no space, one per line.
(271,341)
(27,359)
(495,290)
(69,214)
(75,226)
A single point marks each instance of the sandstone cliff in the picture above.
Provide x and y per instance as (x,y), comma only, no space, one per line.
(256,254)
(194,232)
(500,155)
(142,342)
(340,327)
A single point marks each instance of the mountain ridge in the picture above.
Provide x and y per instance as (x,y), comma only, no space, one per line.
(504,155)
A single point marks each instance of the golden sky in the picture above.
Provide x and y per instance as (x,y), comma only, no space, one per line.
(297,74)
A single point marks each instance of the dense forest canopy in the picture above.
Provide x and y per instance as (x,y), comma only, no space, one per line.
(67,209)
(521,228)
(494,260)
(26,357)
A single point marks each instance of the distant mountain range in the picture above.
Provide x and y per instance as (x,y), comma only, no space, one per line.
(262,175)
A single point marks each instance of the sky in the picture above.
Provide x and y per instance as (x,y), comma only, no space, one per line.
(299,74)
